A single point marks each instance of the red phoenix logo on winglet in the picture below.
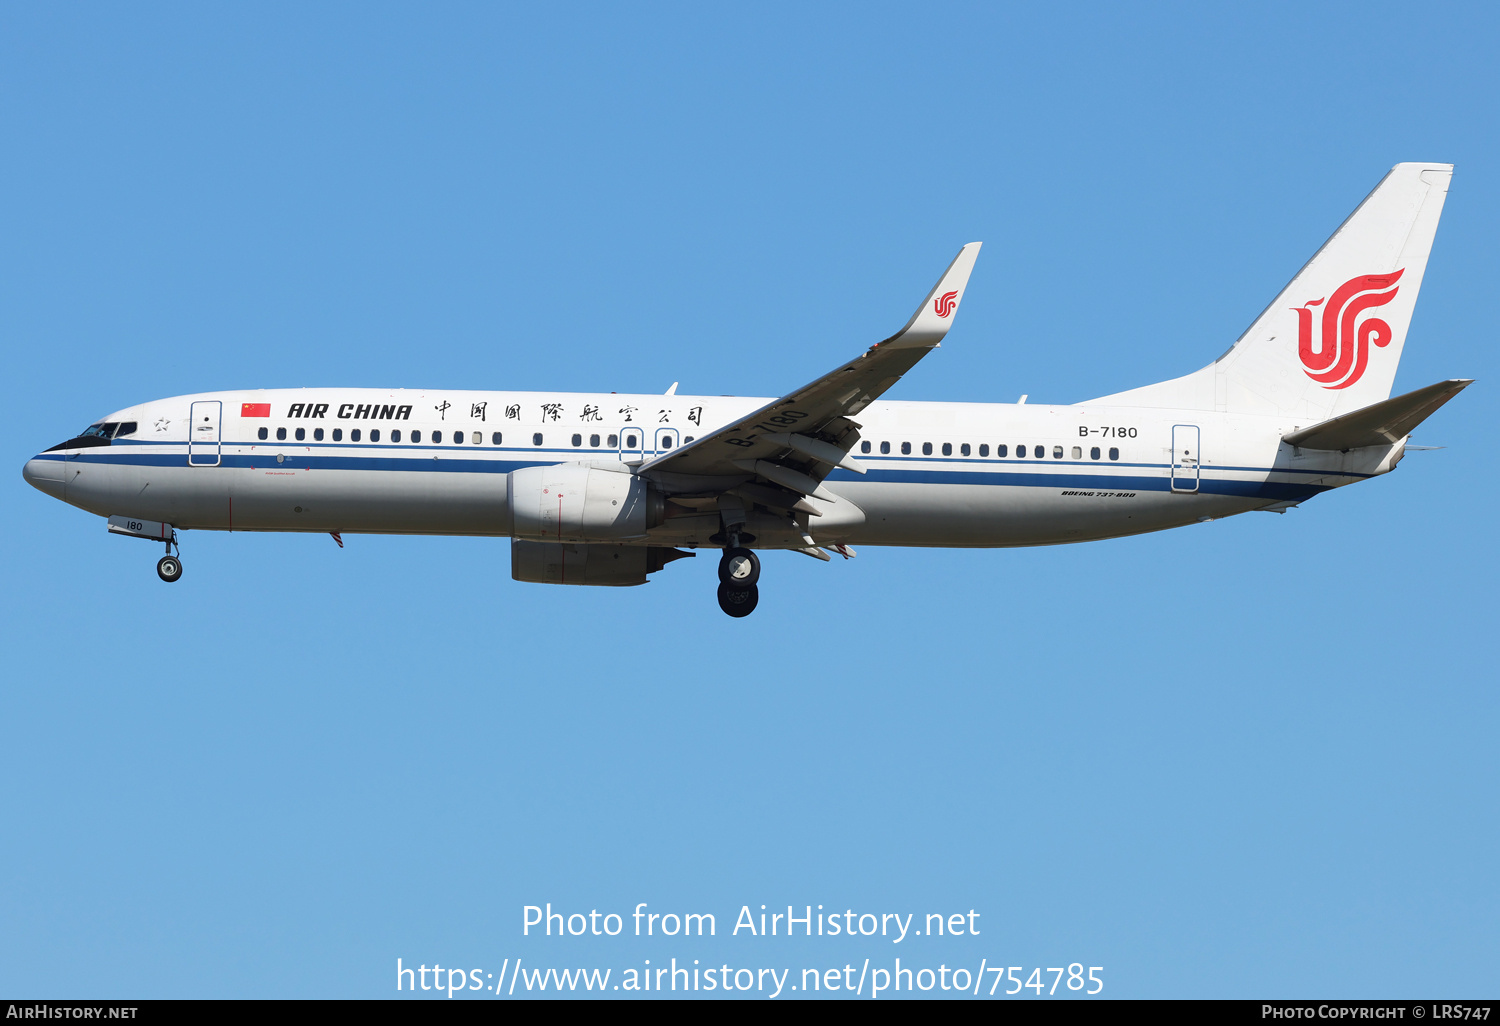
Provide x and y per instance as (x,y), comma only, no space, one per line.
(943,305)
(1343,349)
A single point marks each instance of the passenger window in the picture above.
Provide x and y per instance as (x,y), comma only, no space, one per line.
(478,438)
(1114,454)
(437,438)
(926,448)
(864,446)
(317,434)
(262,434)
(354,435)
(495,438)
(577,441)
(984,449)
(536,439)
(302,434)
(947,448)
(666,443)
(1077,453)
(1057,452)
(1002,451)
(906,448)
(416,436)
(963,450)
(1094,453)
(281,434)
(613,442)
(688,440)
(338,434)
(593,441)
(1040,452)
(396,435)
(374,434)
(885,448)
(458,438)
(630,441)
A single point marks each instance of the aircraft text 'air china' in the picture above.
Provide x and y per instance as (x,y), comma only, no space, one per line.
(605,489)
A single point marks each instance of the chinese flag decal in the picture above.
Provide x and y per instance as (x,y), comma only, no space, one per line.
(255,409)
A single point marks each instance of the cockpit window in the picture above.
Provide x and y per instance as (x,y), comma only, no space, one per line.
(105,431)
(126,428)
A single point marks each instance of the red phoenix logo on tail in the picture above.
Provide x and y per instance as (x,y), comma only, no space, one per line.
(943,305)
(1343,349)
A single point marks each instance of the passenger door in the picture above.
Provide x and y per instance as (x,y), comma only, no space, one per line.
(1186,460)
(203,433)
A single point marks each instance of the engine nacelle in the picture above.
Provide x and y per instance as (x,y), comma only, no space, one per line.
(570,502)
(609,566)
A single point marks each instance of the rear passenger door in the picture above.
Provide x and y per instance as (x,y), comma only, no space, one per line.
(1185,458)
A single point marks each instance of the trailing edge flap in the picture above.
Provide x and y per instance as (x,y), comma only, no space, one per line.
(1384,423)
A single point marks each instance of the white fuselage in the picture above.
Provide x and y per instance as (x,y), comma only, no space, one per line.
(939,474)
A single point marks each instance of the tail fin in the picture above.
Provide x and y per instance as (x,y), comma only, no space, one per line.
(1330,342)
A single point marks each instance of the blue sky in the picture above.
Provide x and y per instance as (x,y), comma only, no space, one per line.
(1254,757)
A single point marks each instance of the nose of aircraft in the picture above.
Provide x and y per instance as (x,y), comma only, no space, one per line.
(45,475)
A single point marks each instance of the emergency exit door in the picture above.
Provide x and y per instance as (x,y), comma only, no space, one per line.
(203,433)
(632,443)
(666,440)
(1185,458)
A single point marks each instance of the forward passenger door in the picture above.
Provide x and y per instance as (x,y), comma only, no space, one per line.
(203,433)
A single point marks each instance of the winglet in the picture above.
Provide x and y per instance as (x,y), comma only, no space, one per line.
(935,316)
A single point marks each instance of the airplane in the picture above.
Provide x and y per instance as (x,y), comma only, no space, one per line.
(605,489)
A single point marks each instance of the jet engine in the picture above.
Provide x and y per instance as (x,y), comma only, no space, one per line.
(571,502)
(610,566)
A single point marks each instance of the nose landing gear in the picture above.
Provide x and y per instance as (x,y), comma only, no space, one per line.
(739,570)
(169,567)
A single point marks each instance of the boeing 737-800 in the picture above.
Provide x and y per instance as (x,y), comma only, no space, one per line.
(605,489)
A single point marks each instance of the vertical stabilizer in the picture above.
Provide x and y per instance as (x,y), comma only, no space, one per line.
(1331,341)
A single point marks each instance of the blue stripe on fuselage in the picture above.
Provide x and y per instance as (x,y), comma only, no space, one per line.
(447,460)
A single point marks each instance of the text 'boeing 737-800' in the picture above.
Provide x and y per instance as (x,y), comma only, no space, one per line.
(605,489)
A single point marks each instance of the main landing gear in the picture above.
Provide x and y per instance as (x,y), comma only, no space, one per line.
(169,567)
(739,570)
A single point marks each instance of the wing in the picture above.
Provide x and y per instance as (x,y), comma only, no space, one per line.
(785,449)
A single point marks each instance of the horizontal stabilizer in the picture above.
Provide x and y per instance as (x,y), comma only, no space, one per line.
(1381,424)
